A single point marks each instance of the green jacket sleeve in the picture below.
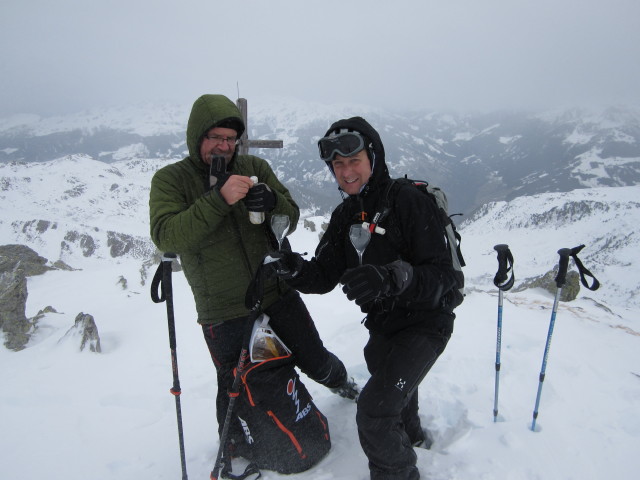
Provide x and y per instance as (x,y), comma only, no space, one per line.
(181,217)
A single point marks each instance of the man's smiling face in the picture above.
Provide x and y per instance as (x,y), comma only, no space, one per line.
(352,173)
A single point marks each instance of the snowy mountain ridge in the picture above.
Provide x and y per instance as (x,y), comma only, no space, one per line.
(476,157)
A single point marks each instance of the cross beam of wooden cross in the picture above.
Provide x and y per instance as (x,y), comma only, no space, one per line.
(245,143)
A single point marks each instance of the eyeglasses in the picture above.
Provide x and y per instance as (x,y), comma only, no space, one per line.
(344,144)
(217,140)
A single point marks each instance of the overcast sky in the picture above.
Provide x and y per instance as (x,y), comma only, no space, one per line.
(62,56)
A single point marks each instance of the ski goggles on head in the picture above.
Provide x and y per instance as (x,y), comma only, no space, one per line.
(344,144)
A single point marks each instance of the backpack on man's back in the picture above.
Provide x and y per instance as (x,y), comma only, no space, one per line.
(451,235)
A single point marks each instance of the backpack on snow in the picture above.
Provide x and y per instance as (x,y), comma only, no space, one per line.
(283,429)
(451,235)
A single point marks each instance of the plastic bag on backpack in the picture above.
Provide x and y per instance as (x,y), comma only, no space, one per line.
(265,344)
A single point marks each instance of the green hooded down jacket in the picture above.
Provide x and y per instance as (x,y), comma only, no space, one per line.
(219,248)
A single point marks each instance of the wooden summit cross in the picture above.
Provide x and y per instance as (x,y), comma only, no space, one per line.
(245,143)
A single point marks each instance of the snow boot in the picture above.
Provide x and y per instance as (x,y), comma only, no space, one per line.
(408,473)
(425,441)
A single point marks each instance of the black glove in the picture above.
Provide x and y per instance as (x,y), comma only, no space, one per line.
(366,283)
(369,282)
(218,172)
(287,264)
(260,198)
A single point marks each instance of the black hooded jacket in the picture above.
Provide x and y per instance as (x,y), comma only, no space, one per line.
(418,221)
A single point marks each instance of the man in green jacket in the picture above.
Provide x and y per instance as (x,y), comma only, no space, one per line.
(201,212)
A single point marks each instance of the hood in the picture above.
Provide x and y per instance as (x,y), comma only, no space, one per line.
(374,147)
(207,112)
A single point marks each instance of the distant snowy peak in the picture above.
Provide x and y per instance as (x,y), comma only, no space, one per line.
(556,210)
(291,114)
(142,119)
(147,119)
(607,117)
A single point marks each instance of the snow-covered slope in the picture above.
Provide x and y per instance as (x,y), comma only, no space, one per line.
(111,416)
(536,227)
(76,206)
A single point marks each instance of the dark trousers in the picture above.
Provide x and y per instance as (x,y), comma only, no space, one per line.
(387,415)
(292,322)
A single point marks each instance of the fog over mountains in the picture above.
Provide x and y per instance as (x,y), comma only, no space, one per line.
(476,158)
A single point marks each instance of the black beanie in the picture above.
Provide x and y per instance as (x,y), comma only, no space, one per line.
(233,123)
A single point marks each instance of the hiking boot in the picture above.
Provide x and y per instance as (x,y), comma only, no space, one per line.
(425,441)
(349,389)
(407,473)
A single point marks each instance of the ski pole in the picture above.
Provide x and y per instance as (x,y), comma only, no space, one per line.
(504,283)
(560,279)
(162,278)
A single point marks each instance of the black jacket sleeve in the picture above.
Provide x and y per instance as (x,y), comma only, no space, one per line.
(322,273)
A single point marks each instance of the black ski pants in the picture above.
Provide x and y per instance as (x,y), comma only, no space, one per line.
(387,413)
(292,322)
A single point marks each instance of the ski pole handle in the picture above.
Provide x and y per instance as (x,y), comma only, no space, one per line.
(563,265)
(505,264)
(167,292)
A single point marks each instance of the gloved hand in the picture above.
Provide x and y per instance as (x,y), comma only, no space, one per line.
(218,174)
(260,198)
(366,283)
(287,264)
(369,282)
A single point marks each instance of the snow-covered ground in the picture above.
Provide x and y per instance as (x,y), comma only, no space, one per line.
(78,416)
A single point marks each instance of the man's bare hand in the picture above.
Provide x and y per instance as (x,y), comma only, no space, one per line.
(235,188)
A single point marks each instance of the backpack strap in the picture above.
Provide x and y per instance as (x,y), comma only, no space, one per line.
(251,469)
(458,242)
(392,228)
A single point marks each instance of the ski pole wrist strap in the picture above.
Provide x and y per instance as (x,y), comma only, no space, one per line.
(583,271)
(157,289)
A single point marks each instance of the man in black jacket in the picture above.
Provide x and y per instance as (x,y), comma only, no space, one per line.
(407,288)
